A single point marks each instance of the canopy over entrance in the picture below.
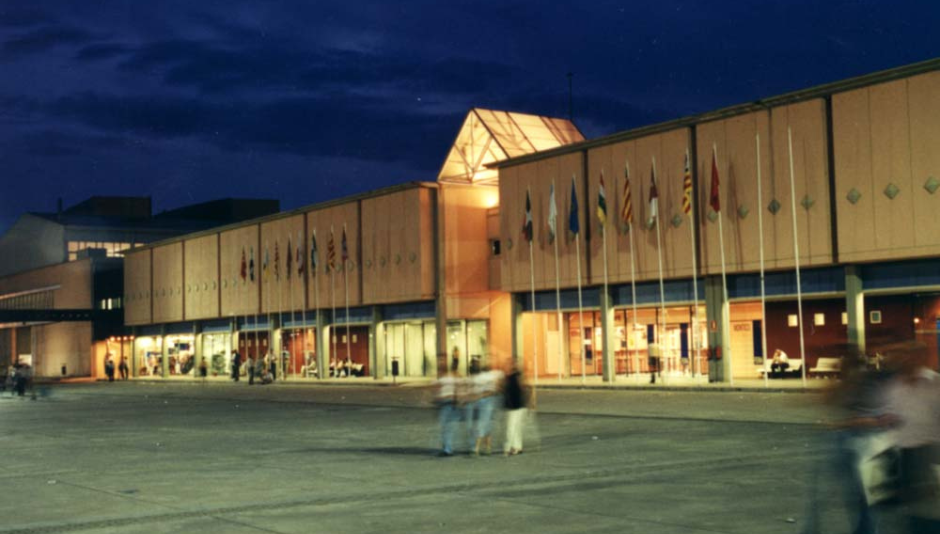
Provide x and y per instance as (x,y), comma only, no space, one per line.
(489,136)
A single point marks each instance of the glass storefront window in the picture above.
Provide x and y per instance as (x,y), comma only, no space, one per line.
(148,356)
(477,345)
(412,345)
(457,345)
(217,351)
(180,354)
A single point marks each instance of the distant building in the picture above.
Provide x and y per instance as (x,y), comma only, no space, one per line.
(61,275)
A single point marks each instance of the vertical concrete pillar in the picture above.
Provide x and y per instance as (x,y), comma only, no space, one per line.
(719,340)
(607,326)
(518,342)
(323,346)
(855,307)
(197,348)
(165,360)
(440,270)
(377,344)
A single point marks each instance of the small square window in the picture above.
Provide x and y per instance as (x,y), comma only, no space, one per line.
(875,316)
(792,320)
(819,319)
(845,318)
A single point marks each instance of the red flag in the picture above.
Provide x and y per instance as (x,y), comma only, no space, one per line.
(714,200)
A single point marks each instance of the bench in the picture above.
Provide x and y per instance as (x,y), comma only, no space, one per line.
(796,366)
(827,367)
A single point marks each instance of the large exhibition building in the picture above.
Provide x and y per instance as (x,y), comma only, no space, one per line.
(649,242)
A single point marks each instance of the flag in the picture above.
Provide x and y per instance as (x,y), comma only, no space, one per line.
(300,255)
(574,224)
(687,187)
(626,210)
(264,264)
(277,261)
(552,213)
(714,200)
(313,253)
(345,248)
(654,197)
(289,254)
(243,272)
(602,202)
(251,265)
(527,221)
(330,253)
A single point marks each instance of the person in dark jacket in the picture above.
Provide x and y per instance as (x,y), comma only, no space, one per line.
(109,369)
(515,402)
(236,365)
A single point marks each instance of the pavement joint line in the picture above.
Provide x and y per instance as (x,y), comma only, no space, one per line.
(431,407)
(608,473)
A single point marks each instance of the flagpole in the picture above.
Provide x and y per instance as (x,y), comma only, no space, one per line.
(662,289)
(333,296)
(763,293)
(345,257)
(303,312)
(280,317)
(293,318)
(696,345)
(561,350)
(316,303)
(605,337)
(251,272)
(636,357)
(574,224)
(535,344)
(267,294)
(725,316)
(796,258)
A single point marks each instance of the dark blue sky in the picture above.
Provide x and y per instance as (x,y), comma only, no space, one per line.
(309,100)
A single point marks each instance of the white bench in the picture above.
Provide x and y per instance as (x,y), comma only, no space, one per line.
(827,367)
(796,365)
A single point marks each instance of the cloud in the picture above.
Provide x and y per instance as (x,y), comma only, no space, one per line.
(101,51)
(45,39)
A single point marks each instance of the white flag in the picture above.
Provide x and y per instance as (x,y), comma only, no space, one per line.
(552,214)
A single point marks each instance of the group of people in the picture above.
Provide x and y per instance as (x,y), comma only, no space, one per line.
(887,441)
(264,368)
(473,400)
(122,368)
(17,377)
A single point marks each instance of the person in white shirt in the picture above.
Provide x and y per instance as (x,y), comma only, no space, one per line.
(487,385)
(448,414)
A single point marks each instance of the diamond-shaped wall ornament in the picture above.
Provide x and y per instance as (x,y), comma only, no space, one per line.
(743,211)
(807,202)
(891,191)
(712,216)
(509,244)
(854,196)
(773,207)
(931,185)
(651,223)
(676,221)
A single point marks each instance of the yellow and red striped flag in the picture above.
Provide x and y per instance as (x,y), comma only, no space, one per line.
(626,210)
(687,187)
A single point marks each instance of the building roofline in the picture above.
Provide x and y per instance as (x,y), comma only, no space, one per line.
(290,213)
(801,95)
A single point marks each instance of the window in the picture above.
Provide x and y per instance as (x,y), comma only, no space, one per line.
(845,318)
(793,320)
(819,319)
(875,317)
(112,249)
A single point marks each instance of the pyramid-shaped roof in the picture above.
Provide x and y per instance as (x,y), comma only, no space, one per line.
(489,136)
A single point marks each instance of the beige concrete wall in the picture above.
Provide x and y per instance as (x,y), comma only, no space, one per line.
(168,283)
(284,291)
(58,344)
(887,134)
(201,272)
(138,297)
(73,280)
(240,296)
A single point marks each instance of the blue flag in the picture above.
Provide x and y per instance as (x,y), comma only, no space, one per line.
(573,223)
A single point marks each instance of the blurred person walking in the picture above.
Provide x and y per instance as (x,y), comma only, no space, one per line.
(489,383)
(250,365)
(123,368)
(858,430)
(109,369)
(469,395)
(515,402)
(448,412)
(912,397)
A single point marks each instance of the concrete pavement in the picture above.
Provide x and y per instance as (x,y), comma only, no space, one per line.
(170,457)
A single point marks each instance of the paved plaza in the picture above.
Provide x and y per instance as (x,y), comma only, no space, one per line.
(149,457)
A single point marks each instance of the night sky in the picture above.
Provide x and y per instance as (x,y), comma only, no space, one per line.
(305,101)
